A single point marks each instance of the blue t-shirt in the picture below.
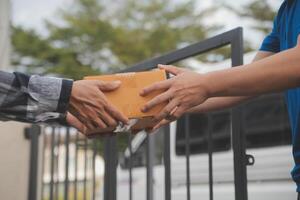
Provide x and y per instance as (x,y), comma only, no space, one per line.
(284,36)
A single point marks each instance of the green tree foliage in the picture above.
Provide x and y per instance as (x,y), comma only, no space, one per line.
(37,55)
(259,11)
(99,36)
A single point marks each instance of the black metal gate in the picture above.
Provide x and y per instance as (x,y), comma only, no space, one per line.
(234,38)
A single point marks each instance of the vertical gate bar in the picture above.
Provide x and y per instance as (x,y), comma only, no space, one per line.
(187,154)
(150,163)
(210,161)
(130,166)
(57,144)
(52,164)
(67,140)
(94,169)
(167,162)
(110,176)
(238,140)
(76,165)
(45,145)
(85,170)
(33,134)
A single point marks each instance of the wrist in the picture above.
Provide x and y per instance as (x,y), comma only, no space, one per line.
(65,95)
(207,85)
(216,83)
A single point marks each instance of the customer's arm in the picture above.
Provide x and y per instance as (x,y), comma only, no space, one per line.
(269,47)
(188,89)
(218,103)
(215,103)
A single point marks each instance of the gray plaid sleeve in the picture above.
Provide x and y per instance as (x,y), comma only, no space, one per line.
(33,98)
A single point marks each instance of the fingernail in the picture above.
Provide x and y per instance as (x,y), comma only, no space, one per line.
(144,109)
(142,93)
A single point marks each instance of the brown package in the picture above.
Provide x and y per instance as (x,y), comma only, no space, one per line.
(127,98)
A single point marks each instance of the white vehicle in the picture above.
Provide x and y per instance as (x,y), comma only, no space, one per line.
(268,139)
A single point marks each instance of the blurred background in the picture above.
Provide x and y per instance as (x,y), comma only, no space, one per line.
(75,38)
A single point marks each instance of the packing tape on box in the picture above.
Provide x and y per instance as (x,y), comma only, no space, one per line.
(126,128)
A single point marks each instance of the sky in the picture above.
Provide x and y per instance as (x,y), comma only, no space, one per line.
(32,13)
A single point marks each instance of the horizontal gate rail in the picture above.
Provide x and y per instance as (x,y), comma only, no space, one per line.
(231,37)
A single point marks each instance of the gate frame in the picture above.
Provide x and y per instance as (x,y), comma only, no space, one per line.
(234,38)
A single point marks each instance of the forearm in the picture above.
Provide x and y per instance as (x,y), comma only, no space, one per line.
(218,103)
(33,98)
(275,73)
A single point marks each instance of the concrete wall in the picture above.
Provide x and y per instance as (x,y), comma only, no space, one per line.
(14,156)
(14,148)
(15,162)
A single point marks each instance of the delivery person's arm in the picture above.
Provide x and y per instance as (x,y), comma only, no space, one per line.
(188,89)
(41,99)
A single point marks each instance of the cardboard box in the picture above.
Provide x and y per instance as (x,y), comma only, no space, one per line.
(127,98)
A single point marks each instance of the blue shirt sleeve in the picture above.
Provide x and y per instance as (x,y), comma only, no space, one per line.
(271,43)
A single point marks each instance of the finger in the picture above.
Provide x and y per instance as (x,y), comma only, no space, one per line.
(84,119)
(171,115)
(99,122)
(92,119)
(74,122)
(110,115)
(119,116)
(161,123)
(171,69)
(88,124)
(107,119)
(179,112)
(156,86)
(167,110)
(81,113)
(108,86)
(157,100)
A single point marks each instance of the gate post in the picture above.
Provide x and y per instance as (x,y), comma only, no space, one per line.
(110,176)
(238,138)
(32,134)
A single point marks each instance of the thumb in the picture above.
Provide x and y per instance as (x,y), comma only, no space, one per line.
(109,86)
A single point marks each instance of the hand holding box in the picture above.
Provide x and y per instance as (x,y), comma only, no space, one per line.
(128,100)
